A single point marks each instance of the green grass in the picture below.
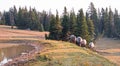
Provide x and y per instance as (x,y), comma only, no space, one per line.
(59,53)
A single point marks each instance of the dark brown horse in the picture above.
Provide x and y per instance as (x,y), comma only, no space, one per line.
(72,38)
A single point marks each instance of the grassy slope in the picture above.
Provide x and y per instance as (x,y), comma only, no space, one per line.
(55,53)
(58,53)
(110,48)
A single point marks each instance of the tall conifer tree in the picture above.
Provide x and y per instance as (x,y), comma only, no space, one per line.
(90,27)
(65,25)
(72,22)
(82,28)
(55,27)
(93,16)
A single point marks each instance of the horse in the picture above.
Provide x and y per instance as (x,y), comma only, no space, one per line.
(72,38)
(91,45)
(83,43)
(78,41)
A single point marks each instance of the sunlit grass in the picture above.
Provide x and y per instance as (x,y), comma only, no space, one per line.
(59,53)
(55,53)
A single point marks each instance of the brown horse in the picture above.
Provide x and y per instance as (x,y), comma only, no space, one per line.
(72,38)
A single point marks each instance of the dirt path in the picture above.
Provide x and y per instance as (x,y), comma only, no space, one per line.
(109,48)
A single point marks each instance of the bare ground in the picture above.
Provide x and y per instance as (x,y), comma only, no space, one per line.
(20,60)
(7,33)
(4,45)
(109,48)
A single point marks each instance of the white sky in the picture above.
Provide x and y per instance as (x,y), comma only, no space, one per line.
(46,5)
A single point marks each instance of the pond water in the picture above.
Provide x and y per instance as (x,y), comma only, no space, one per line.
(6,54)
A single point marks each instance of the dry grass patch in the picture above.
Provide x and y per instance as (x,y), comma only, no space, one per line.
(64,51)
(59,53)
(4,45)
(110,48)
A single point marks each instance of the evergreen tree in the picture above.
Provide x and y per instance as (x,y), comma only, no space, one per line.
(15,14)
(102,21)
(82,28)
(11,11)
(111,24)
(90,27)
(106,22)
(93,16)
(22,19)
(7,18)
(72,22)
(52,27)
(117,23)
(39,19)
(2,19)
(2,22)
(19,19)
(58,26)
(45,20)
(34,20)
(55,28)
(65,25)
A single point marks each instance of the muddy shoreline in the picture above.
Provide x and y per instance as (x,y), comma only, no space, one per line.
(26,56)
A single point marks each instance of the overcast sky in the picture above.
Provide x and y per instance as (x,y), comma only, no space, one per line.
(58,4)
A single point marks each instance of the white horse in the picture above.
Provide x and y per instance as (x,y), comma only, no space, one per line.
(91,45)
(83,43)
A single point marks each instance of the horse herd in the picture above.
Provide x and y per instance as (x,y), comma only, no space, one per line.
(81,42)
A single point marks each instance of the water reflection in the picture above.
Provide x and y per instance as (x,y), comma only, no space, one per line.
(6,54)
(4,61)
